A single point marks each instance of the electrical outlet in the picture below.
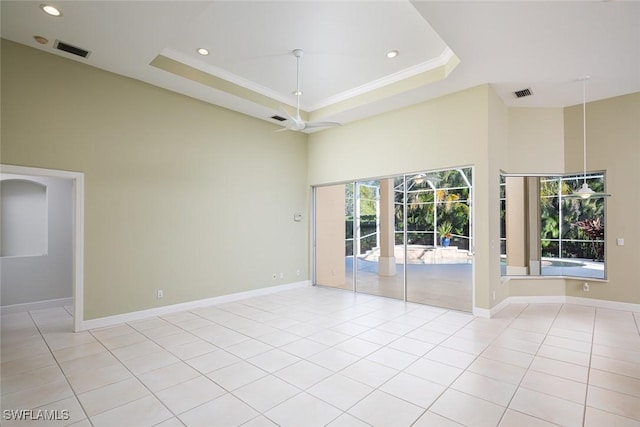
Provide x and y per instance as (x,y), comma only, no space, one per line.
(282,275)
(160,294)
(585,287)
(297,272)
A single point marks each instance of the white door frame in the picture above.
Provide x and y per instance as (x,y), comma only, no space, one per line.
(77,179)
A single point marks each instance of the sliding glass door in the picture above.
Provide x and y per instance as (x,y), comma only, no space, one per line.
(407,237)
(379,270)
(438,224)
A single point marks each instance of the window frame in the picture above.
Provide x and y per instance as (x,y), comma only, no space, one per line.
(562,228)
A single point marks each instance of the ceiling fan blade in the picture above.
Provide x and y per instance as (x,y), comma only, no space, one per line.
(296,123)
(286,114)
(321,124)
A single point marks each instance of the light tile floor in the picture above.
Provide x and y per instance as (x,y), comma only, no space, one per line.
(324,357)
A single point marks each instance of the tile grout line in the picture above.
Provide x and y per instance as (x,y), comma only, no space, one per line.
(479,355)
(134,376)
(360,359)
(320,310)
(530,363)
(272,374)
(397,373)
(586,391)
(75,395)
(609,372)
(202,374)
(342,412)
(447,387)
(387,346)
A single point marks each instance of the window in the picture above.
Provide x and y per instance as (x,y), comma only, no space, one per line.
(544,232)
(438,205)
(572,230)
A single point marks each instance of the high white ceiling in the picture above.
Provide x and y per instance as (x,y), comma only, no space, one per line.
(443,46)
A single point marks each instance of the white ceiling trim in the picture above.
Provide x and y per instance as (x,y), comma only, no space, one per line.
(223,74)
(423,67)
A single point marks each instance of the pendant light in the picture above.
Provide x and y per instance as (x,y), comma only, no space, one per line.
(585,192)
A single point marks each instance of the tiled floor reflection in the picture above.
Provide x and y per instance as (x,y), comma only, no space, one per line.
(324,357)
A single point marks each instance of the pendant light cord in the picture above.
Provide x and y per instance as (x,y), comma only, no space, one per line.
(298,87)
(584,129)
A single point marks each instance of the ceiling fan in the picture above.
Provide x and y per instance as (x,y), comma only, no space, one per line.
(296,123)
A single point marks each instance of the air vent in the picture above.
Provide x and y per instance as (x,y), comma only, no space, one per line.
(522,93)
(71,49)
(278,118)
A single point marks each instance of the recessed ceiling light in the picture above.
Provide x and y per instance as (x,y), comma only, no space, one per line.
(202,51)
(392,54)
(41,40)
(50,10)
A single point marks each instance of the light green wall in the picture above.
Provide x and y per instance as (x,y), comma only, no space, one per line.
(536,287)
(613,145)
(180,195)
(536,140)
(445,132)
(613,135)
(497,159)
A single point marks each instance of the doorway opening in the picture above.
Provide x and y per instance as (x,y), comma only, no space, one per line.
(77,239)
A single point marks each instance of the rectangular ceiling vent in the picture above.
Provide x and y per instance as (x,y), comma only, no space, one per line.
(278,118)
(522,93)
(71,49)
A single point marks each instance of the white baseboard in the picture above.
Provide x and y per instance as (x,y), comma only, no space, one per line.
(159,311)
(545,299)
(38,305)
(488,313)
(601,303)
(563,299)
(482,312)
(175,308)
